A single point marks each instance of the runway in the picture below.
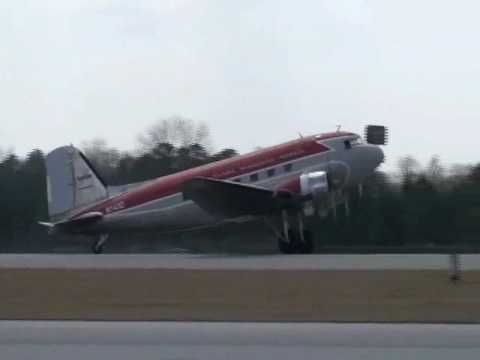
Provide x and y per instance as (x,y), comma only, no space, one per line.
(190,340)
(225,262)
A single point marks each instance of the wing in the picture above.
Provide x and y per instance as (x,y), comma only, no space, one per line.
(229,199)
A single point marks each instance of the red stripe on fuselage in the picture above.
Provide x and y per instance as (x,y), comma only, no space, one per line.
(224,169)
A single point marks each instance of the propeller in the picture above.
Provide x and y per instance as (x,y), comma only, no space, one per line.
(347,206)
(337,175)
(334,205)
(376,134)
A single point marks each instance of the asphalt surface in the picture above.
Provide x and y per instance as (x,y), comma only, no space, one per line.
(258,262)
(189,340)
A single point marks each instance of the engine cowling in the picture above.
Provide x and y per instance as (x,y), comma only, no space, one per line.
(316,185)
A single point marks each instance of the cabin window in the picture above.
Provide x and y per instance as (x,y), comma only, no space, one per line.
(348,144)
(237,180)
(287,167)
(254,177)
(270,172)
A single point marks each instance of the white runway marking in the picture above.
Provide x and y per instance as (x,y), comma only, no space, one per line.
(257,262)
(171,340)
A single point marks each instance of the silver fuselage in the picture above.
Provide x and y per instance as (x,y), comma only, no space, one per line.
(172,213)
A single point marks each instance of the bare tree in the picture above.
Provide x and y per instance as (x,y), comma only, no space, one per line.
(459,172)
(435,172)
(175,130)
(4,153)
(408,167)
(103,157)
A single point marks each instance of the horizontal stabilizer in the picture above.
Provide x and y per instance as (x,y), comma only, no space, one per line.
(229,199)
(46,224)
(82,220)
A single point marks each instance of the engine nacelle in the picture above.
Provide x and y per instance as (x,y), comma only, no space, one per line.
(317,186)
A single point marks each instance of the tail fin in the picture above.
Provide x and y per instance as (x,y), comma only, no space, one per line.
(72,182)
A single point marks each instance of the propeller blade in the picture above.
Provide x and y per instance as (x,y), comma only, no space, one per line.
(347,207)
(334,205)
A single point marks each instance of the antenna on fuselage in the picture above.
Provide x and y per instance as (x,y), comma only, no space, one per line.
(300,134)
(339,127)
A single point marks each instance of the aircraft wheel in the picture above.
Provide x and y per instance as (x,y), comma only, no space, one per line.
(97,247)
(292,247)
(285,247)
(308,246)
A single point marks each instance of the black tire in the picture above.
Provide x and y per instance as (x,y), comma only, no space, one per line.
(285,247)
(308,246)
(97,248)
(291,247)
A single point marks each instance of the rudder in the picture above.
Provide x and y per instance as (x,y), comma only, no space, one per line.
(72,182)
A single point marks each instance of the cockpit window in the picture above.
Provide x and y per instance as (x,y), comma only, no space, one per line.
(356,141)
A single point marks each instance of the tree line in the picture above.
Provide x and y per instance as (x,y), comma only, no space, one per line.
(169,146)
(422,208)
(418,207)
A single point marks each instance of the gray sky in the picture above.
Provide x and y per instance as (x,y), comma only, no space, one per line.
(257,72)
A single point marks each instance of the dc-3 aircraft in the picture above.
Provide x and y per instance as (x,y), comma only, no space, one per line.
(281,184)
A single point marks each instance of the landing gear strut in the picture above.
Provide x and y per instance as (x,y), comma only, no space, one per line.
(97,246)
(295,242)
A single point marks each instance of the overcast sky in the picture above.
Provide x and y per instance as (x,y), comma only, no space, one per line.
(257,72)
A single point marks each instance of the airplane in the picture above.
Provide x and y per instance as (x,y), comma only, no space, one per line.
(281,184)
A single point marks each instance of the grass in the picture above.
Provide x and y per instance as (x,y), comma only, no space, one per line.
(239,295)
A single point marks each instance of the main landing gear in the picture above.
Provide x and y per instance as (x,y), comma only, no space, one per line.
(298,241)
(97,246)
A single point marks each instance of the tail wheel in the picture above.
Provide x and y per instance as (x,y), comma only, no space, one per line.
(97,247)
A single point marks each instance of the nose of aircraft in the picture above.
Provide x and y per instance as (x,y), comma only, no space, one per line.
(367,158)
